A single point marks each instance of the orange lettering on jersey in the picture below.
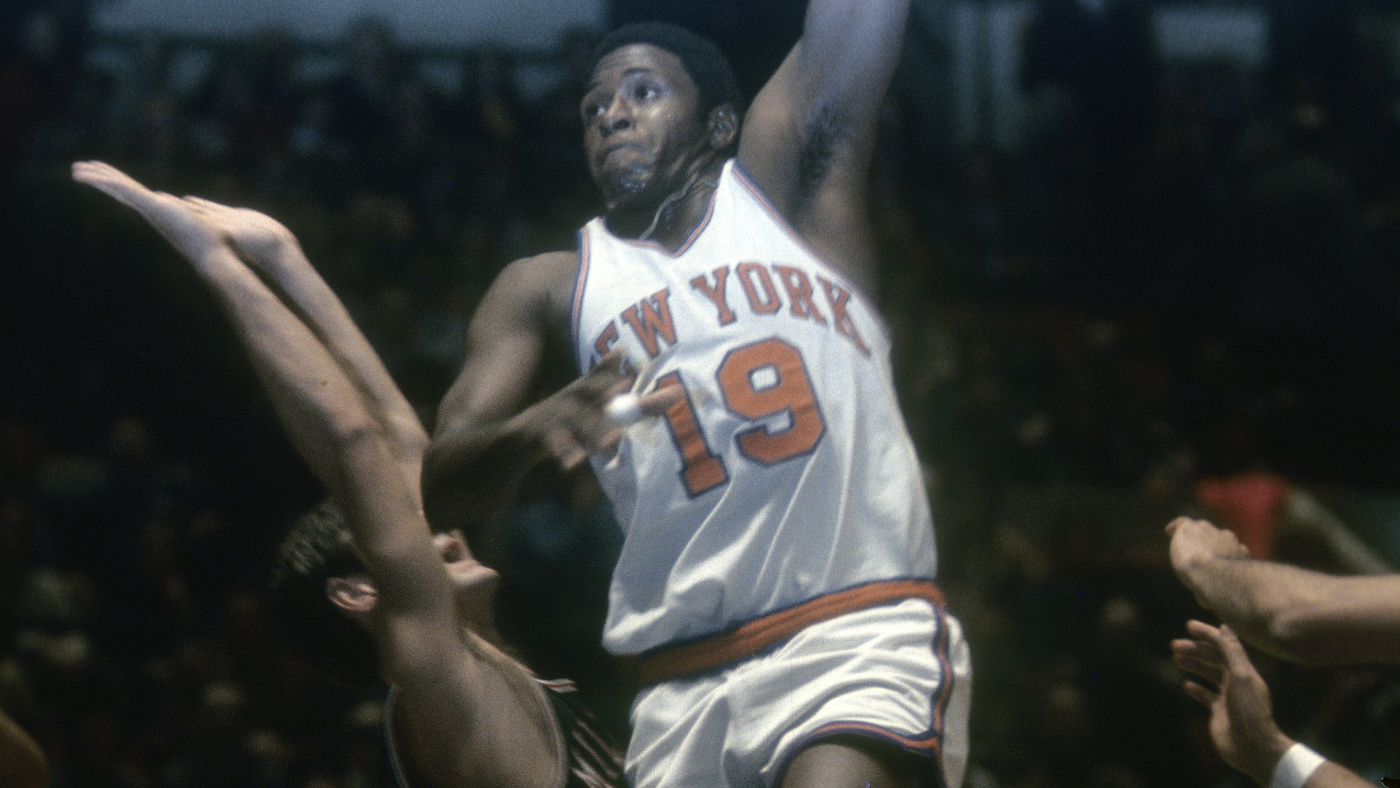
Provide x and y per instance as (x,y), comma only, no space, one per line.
(799,290)
(716,293)
(604,345)
(606,340)
(768,303)
(837,297)
(651,317)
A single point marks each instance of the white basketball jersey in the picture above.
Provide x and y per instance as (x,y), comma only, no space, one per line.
(787,473)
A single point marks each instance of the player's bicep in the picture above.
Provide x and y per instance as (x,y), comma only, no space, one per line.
(505,343)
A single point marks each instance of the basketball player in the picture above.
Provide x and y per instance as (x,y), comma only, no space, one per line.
(776,581)
(363,573)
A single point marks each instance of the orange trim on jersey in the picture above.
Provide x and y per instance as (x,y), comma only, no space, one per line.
(760,633)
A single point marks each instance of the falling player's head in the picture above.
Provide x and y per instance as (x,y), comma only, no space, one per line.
(318,549)
(322,594)
(660,99)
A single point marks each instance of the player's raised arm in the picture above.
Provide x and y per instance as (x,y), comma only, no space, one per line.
(323,413)
(809,134)
(488,723)
(265,244)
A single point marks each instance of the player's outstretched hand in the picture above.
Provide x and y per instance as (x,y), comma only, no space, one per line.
(1242,723)
(187,227)
(577,421)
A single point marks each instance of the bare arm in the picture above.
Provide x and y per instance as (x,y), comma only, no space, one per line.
(22,763)
(810,133)
(1242,726)
(269,247)
(486,438)
(1290,612)
(485,719)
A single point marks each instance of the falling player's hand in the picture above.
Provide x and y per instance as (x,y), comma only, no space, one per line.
(191,231)
(577,422)
(1242,723)
(258,238)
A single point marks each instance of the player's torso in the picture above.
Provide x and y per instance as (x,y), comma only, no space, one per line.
(787,472)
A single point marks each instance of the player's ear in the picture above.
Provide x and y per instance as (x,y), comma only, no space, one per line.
(724,126)
(352,594)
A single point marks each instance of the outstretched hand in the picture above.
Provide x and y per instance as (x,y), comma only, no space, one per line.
(193,225)
(575,423)
(184,224)
(1242,723)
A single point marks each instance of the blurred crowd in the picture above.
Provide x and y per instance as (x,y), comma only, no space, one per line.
(1182,272)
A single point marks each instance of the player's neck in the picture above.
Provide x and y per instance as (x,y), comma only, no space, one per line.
(673,220)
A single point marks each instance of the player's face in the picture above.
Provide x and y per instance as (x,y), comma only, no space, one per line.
(642,126)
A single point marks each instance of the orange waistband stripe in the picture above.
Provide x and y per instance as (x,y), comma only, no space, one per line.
(760,633)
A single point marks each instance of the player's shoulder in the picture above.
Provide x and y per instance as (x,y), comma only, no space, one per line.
(539,285)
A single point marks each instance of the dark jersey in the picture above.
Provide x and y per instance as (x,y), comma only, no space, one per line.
(594,760)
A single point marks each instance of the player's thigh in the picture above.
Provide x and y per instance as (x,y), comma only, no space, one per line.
(856,762)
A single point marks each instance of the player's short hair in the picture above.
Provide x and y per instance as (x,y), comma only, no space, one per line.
(318,548)
(703,60)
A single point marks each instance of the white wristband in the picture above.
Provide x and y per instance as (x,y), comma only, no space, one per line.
(1295,767)
(624,409)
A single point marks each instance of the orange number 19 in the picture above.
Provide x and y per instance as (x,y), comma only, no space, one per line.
(758,381)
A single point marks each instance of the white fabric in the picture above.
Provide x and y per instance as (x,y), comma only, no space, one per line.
(1295,767)
(880,672)
(820,488)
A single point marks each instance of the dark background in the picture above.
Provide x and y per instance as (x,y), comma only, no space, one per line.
(1181,279)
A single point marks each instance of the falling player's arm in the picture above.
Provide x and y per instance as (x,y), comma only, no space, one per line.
(809,135)
(269,247)
(22,763)
(488,725)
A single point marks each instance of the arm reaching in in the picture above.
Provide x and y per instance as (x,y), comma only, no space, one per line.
(810,133)
(1242,726)
(486,715)
(1290,612)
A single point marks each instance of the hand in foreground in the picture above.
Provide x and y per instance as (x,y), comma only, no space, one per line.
(574,422)
(1242,723)
(1194,541)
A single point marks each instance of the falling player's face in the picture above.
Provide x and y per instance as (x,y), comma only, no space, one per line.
(469,575)
(642,126)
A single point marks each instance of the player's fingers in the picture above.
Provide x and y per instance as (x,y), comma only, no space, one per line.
(1200,630)
(663,399)
(208,204)
(1233,651)
(1198,650)
(1199,693)
(1210,671)
(602,379)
